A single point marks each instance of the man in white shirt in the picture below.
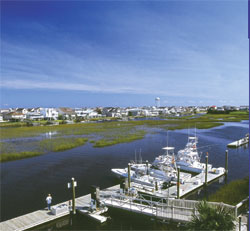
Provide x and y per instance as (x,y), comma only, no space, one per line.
(49,200)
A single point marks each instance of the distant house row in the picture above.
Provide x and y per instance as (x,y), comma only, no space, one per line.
(66,113)
(230,108)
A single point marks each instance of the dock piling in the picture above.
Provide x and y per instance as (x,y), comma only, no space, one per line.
(147,166)
(239,223)
(156,186)
(226,162)
(206,171)
(73,196)
(247,220)
(129,178)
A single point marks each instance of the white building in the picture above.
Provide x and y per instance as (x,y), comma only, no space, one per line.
(14,116)
(1,118)
(49,113)
(34,116)
(86,113)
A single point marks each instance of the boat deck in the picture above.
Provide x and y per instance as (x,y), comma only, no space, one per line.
(189,186)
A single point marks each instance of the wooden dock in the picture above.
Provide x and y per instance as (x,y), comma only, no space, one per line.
(43,216)
(240,142)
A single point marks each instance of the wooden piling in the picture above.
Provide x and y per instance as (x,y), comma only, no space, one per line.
(178,182)
(226,162)
(129,178)
(156,186)
(247,220)
(73,196)
(147,166)
(239,223)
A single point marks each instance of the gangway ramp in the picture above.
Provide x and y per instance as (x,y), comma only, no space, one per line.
(178,210)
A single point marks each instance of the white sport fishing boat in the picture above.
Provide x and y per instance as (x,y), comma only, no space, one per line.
(141,170)
(140,176)
(166,162)
(188,158)
(160,170)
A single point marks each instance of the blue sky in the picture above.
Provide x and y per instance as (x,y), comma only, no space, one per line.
(124,53)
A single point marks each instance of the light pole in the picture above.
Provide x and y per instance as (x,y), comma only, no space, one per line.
(72,185)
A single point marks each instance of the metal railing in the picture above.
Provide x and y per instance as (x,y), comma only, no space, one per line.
(164,208)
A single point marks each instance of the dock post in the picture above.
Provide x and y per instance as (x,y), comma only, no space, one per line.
(239,223)
(122,185)
(73,196)
(206,170)
(95,195)
(129,178)
(156,186)
(247,220)
(147,166)
(226,163)
(235,211)
(178,182)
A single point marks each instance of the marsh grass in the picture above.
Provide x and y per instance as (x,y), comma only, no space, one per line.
(122,138)
(61,144)
(204,121)
(4,157)
(232,193)
(105,134)
(9,151)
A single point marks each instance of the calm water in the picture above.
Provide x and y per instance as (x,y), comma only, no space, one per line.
(26,183)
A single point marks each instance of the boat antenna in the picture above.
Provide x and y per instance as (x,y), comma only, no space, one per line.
(135,157)
(195,131)
(167,137)
(140,155)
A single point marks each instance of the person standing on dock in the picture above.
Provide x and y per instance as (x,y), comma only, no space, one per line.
(49,200)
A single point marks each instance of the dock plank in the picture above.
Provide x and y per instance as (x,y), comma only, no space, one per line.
(42,216)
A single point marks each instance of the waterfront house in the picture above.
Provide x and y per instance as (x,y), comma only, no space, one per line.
(87,113)
(201,109)
(49,113)
(220,109)
(14,116)
(111,112)
(134,111)
(32,115)
(244,108)
(1,118)
(21,111)
(66,112)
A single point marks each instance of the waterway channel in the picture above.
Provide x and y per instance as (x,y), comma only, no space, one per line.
(26,183)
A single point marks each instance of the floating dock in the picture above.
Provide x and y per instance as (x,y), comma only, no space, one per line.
(240,142)
(95,215)
(43,216)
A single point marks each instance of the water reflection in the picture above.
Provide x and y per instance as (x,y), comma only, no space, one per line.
(49,134)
